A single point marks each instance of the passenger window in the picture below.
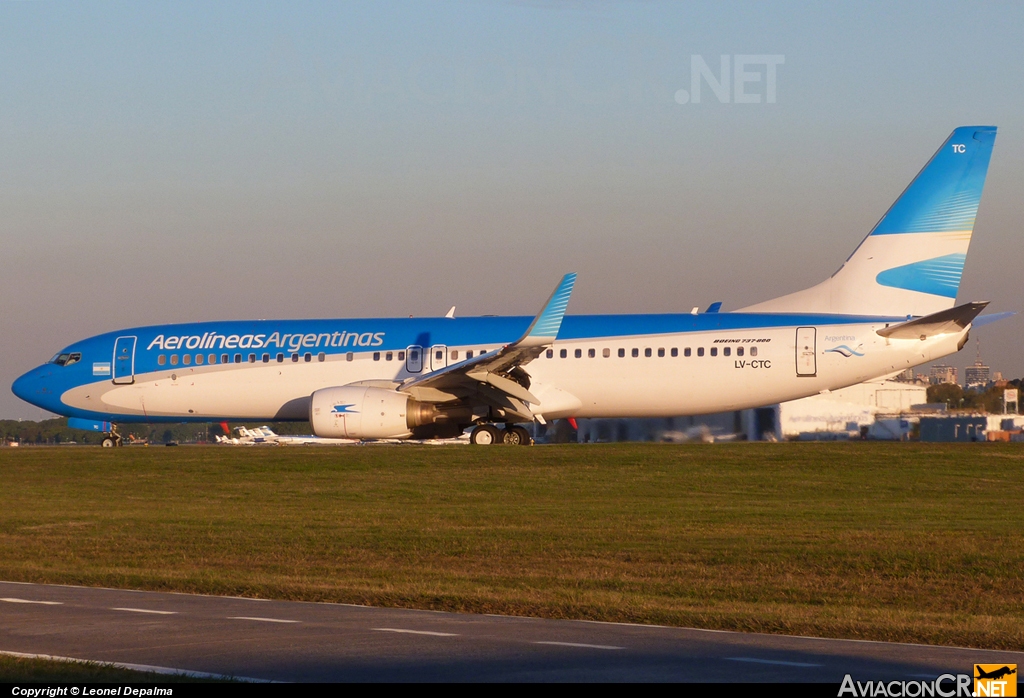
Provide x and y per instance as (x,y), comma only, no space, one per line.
(636,352)
(700,351)
(647,352)
(266,358)
(199,359)
(238,358)
(211,359)
(349,356)
(661,352)
(606,352)
(401,356)
(308,357)
(591,353)
(726,351)
(714,351)
(224,358)
(578,353)
(280,358)
(295,358)
(186,359)
(563,353)
(174,359)
(438,355)
(753,351)
(675,352)
(376,356)
(455,355)
(321,356)
(252,358)
(161,360)
(469,354)
(739,351)
(549,353)
(622,353)
(686,351)
(389,356)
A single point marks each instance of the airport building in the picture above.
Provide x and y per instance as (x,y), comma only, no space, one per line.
(881,409)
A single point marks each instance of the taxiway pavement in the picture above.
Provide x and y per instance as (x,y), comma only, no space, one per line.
(299,641)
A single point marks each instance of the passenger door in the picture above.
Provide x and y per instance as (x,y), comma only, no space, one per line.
(124,361)
(806,360)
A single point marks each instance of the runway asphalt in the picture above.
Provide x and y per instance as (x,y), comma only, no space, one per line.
(299,641)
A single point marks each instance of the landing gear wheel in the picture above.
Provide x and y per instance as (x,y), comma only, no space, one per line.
(485,435)
(524,436)
(108,442)
(516,436)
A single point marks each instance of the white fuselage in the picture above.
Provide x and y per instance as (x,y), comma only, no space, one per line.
(750,368)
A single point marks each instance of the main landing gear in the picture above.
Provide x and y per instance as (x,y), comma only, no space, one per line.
(487,434)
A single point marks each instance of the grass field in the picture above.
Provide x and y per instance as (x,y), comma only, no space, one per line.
(909,542)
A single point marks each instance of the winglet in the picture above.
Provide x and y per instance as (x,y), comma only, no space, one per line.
(544,328)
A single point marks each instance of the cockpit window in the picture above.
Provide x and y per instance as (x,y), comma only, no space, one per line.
(66,359)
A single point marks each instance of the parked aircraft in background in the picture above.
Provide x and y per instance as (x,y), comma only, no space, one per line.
(266,435)
(890,306)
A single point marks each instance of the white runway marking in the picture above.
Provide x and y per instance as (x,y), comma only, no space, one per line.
(263,620)
(578,644)
(41,603)
(146,610)
(754,660)
(138,667)
(415,632)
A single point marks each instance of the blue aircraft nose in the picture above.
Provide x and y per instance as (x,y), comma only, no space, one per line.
(34,387)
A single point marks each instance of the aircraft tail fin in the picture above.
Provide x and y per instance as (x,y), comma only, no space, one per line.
(911,261)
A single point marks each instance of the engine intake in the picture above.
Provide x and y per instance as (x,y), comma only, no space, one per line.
(358,412)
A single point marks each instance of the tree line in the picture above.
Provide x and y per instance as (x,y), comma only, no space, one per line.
(56,431)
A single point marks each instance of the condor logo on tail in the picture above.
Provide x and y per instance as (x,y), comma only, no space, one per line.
(995,680)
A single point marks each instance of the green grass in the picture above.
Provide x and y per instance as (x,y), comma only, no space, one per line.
(908,542)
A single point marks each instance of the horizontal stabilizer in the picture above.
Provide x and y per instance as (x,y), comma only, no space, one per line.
(983,320)
(942,322)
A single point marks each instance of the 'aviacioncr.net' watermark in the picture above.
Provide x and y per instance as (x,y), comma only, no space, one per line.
(989,680)
(751,79)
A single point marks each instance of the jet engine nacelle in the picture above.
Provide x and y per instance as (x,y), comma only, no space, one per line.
(358,412)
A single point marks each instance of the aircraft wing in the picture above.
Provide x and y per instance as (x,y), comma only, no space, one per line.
(496,377)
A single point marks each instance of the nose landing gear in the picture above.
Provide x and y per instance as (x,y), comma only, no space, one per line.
(112,439)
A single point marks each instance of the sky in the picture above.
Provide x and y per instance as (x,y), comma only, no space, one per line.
(175,161)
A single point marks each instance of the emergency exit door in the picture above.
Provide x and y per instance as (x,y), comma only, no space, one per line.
(806,361)
(438,357)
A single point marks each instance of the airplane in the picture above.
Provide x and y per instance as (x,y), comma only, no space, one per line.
(889,307)
(266,435)
(994,674)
